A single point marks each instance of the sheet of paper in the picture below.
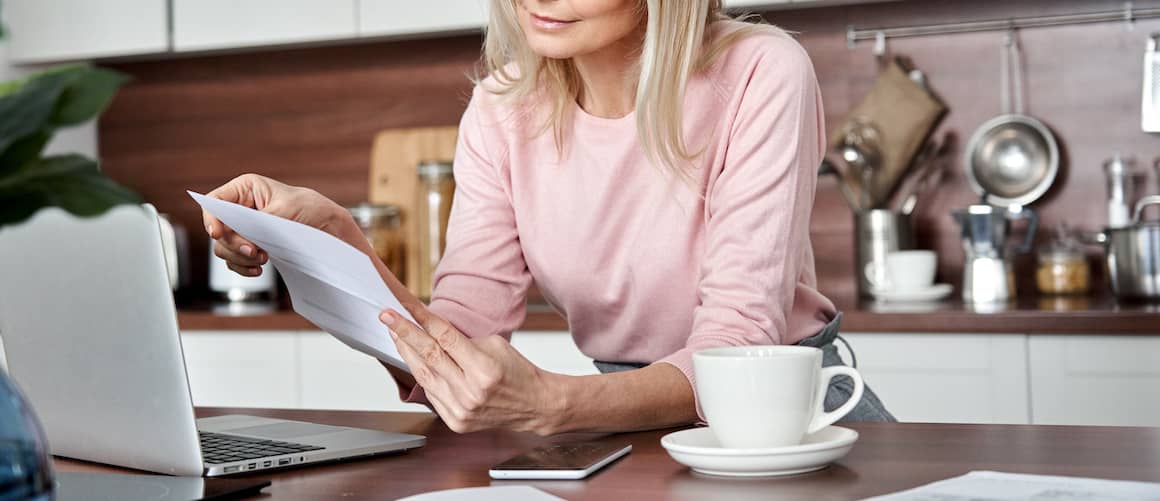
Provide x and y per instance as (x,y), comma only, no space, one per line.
(331,283)
(995,486)
(492,493)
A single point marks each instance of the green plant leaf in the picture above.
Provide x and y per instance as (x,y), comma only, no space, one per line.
(71,182)
(10,87)
(88,92)
(27,110)
(22,152)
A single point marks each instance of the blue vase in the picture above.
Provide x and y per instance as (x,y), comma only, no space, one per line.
(25,465)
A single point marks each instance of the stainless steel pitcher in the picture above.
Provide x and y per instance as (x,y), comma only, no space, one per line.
(879,232)
(988,276)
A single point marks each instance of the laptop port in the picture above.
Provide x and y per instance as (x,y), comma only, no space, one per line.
(284,461)
(267,464)
(232,469)
(251,466)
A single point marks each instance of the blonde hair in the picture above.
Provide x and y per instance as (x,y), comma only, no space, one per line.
(674,50)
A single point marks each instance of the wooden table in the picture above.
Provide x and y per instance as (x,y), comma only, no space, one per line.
(886,458)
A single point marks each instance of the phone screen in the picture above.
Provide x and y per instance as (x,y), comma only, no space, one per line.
(571,456)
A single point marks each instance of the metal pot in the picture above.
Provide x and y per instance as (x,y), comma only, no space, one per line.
(1133,254)
(1013,158)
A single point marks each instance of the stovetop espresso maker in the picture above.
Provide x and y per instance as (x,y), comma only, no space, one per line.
(988,275)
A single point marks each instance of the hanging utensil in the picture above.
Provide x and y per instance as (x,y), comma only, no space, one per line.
(1013,158)
(930,176)
(860,150)
(932,180)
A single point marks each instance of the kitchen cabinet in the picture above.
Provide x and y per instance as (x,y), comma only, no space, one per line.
(790,4)
(242,369)
(62,30)
(221,24)
(312,370)
(946,378)
(1096,379)
(393,18)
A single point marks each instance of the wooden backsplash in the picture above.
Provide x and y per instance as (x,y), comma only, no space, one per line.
(308,116)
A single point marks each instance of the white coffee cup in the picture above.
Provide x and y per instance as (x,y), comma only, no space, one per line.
(907,270)
(767,396)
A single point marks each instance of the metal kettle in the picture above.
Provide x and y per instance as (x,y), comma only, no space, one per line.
(988,276)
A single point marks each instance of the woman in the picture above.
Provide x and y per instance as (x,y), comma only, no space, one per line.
(651,164)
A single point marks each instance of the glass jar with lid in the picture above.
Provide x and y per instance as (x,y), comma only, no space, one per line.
(1063,267)
(436,189)
(382,224)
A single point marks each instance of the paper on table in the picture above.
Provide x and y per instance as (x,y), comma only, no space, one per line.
(493,493)
(331,283)
(995,486)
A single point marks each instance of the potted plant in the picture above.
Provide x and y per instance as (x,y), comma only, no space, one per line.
(31,110)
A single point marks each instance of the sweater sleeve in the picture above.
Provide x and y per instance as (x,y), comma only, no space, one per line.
(481,282)
(758,209)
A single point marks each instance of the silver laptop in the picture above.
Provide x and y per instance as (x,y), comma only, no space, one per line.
(90,334)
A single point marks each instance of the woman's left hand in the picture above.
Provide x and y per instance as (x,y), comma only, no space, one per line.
(475,383)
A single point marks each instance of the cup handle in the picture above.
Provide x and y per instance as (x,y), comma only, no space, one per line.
(823,419)
(872,271)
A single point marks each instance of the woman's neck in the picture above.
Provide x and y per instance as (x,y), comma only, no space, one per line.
(608,77)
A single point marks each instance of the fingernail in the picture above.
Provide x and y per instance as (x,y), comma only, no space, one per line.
(209,230)
(386,318)
(247,250)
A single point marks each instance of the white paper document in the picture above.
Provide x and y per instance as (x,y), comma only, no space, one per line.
(331,283)
(995,486)
(493,493)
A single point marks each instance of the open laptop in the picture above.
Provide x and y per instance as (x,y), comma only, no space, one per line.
(90,334)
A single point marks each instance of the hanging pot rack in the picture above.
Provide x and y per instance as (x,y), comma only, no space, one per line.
(1127,15)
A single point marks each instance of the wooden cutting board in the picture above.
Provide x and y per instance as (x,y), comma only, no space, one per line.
(904,113)
(394,180)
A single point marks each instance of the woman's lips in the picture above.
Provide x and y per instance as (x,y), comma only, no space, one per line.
(548,23)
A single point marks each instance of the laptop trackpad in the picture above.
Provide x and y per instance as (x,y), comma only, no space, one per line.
(289,429)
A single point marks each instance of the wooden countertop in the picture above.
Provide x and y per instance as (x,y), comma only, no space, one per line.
(887,457)
(1045,315)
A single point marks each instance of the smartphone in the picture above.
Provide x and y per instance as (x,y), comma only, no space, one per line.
(568,461)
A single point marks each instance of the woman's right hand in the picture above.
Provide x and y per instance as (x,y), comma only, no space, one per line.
(295,203)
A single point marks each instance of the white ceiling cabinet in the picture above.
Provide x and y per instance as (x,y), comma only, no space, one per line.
(393,17)
(60,30)
(224,24)
(790,4)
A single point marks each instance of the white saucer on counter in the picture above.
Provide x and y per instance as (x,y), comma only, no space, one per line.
(699,449)
(933,293)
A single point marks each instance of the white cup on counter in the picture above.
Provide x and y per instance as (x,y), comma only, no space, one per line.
(909,270)
(767,396)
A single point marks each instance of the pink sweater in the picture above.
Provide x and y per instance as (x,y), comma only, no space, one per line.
(645,269)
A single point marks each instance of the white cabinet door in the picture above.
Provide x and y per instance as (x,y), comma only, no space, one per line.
(1095,380)
(334,376)
(59,30)
(946,378)
(790,4)
(755,4)
(393,17)
(242,369)
(220,24)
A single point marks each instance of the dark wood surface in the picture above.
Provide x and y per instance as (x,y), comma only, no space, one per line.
(308,116)
(886,458)
(1044,315)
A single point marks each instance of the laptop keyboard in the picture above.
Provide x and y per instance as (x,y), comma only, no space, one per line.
(219,448)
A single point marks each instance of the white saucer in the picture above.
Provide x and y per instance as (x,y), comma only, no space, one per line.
(699,449)
(932,293)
